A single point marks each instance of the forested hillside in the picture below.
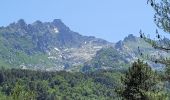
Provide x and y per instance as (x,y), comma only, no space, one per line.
(140,81)
(17,84)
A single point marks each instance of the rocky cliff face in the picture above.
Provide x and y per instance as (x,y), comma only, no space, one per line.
(53,46)
(46,45)
(123,54)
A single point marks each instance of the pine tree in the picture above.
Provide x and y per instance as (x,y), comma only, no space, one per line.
(140,83)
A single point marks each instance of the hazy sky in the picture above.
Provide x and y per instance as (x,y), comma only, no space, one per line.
(108,19)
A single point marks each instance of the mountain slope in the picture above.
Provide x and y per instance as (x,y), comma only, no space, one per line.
(52,46)
(45,45)
(106,58)
(123,54)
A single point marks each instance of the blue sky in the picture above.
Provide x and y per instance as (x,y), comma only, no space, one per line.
(108,19)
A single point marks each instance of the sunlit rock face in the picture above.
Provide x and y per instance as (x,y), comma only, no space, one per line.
(53,46)
(46,45)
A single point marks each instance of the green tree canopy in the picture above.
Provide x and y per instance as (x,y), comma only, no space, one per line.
(140,83)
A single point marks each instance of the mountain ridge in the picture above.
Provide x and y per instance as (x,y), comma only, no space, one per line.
(53,46)
(50,44)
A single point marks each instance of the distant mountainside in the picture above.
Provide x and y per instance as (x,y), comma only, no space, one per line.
(123,54)
(46,46)
(52,46)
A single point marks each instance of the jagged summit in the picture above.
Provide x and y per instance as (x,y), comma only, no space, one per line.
(56,24)
(45,45)
(53,46)
(131,37)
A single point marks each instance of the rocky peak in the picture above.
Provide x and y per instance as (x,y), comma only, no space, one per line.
(21,22)
(57,21)
(60,25)
(37,23)
(19,25)
(130,37)
(119,45)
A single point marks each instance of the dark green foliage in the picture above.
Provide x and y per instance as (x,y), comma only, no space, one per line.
(18,84)
(140,83)
(162,14)
(162,20)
